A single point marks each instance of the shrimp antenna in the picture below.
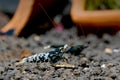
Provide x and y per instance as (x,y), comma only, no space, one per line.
(47,14)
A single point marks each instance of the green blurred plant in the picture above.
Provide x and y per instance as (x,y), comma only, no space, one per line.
(102,4)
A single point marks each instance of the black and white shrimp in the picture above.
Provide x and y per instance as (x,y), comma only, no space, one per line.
(51,56)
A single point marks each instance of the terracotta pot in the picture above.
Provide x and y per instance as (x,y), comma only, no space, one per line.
(94,20)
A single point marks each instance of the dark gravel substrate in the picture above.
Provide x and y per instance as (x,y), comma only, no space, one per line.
(92,64)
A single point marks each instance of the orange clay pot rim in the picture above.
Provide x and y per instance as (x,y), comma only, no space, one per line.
(80,15)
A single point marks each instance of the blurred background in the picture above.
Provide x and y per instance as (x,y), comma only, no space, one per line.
(56,14)
(56,10)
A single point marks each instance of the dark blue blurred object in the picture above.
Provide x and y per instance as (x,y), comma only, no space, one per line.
(8,6)
(76,50)
(8,33)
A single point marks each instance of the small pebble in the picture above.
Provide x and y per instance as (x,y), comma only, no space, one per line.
(108,51)
(86,69)
(37,38)
(103,66)
(116,50)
